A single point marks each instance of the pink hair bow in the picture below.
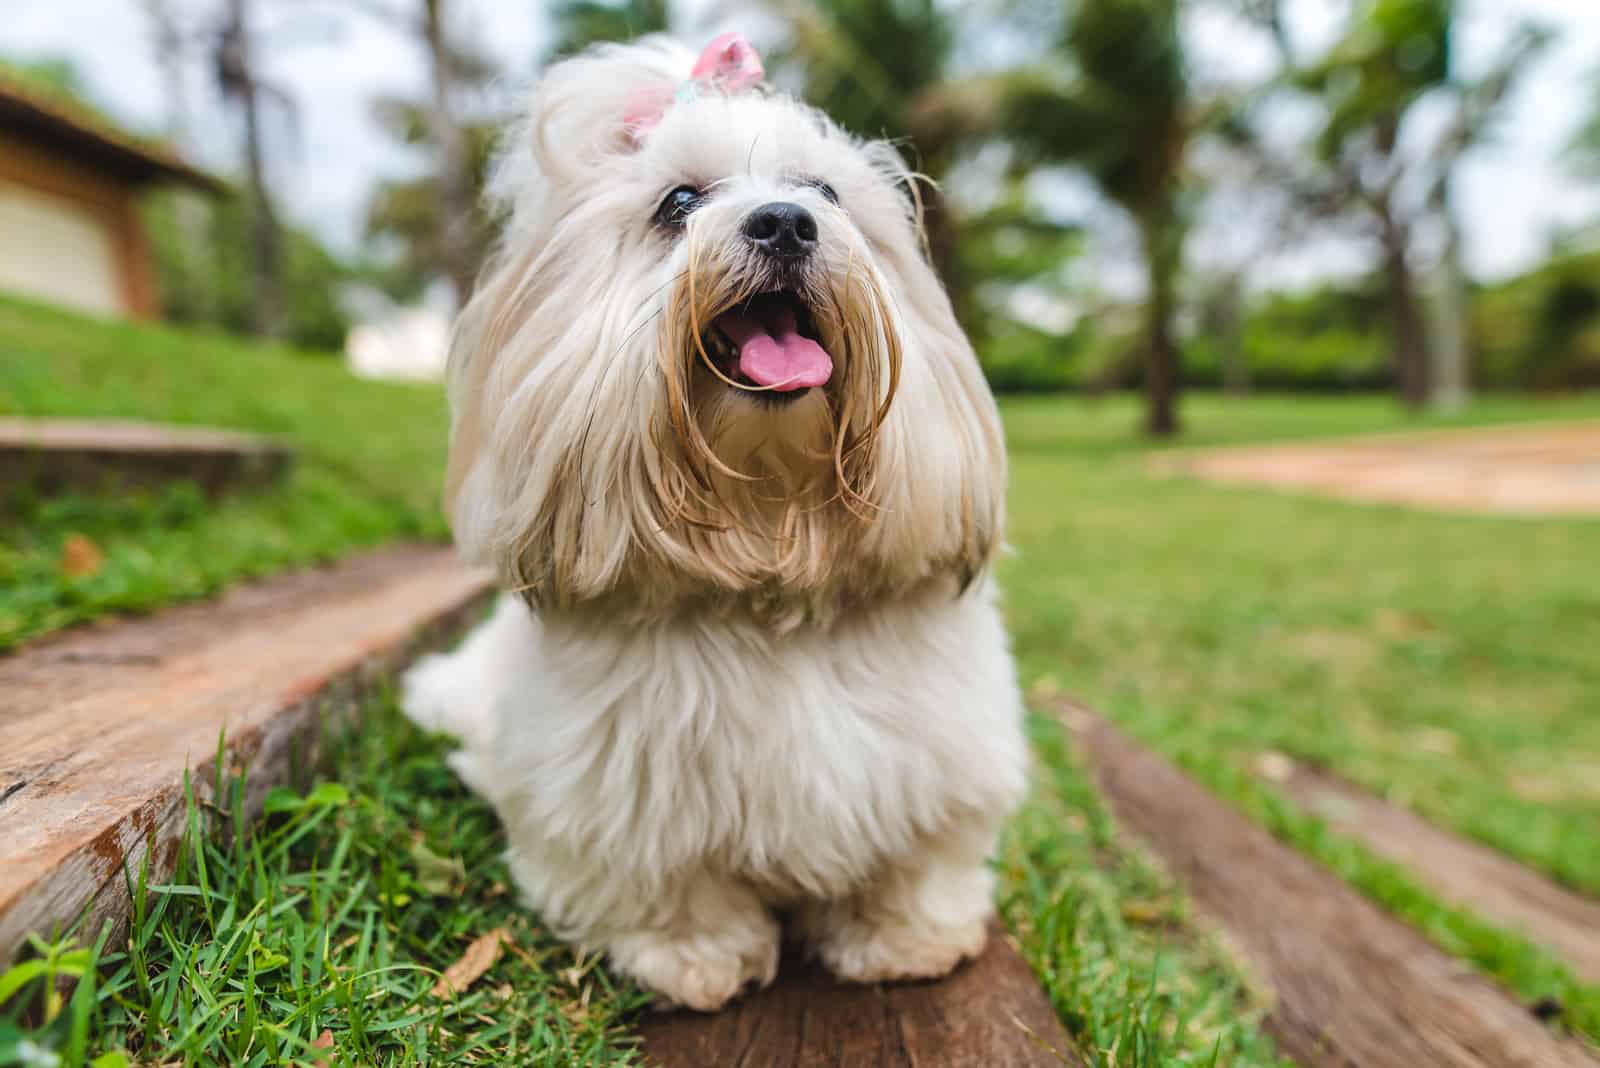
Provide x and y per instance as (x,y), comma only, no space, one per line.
(729,64)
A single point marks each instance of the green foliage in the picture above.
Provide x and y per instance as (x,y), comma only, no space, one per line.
(317,935)
(207,282)
(1119,108)
(1111,936)
(371,459)
(1542,330)
(1444,660)
(1394,53)
(337,911)
(581,23)
(1584,151)
(408,212)
(872,66)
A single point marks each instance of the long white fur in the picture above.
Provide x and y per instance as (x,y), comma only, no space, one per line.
(760,673)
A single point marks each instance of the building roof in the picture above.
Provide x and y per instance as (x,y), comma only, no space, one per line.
(54,121)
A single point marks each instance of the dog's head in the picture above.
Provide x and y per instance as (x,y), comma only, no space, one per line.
(710,359)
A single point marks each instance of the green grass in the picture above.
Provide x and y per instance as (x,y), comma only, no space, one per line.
(337,915)
(371,456)
(1445,661)
(1110,935)
(339,910)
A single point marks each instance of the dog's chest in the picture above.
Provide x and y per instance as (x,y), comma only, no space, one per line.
(800,763)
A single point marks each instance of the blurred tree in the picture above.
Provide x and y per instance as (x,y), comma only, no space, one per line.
(312,276)
(1118,105)
(410,212)
(458,193)
(1584,151)
(897,71)
(186,270)
(885,70)
(1394,55)
(436,219)
(237,75)
(578,24)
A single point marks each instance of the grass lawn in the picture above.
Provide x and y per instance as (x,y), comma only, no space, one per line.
(1446,661)
(327,928)
(371,456)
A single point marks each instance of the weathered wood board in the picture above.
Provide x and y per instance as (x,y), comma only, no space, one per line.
(98,725)
(1354,986)
(55,456)
(1492,885)
(989,1013)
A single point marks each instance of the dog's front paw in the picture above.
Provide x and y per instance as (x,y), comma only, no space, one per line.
(859,951)
(704,970)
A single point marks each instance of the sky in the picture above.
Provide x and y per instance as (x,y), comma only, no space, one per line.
(1513,193)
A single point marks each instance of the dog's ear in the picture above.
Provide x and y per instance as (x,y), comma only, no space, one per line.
(597,105)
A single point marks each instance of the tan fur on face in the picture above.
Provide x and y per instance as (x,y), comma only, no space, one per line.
(598,456)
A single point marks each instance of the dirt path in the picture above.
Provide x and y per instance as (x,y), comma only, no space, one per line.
(1458,870)
(1540,470)
(1355,988)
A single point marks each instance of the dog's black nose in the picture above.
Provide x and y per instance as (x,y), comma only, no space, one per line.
(782,228)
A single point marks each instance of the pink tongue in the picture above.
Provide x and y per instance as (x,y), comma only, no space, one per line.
(773,354)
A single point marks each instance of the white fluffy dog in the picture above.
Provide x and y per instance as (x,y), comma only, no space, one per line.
(716,427)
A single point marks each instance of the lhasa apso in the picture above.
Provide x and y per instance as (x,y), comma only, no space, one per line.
(717,428)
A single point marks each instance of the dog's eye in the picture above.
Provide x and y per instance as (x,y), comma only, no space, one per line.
(824,188)
(676,207)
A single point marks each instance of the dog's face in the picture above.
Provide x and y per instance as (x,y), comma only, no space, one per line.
(711,361)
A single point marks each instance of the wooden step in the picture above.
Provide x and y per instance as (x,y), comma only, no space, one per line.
(97,725)
(989,1013)
(56,456)
(1463,872)
(1353,985)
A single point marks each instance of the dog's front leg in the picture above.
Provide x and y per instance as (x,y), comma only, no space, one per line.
(700,943)
(916,919)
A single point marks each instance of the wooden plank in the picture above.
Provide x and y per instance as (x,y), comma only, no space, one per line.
(1460,871)
(55,456)
(989,1013)
(1354,987)
(98,724)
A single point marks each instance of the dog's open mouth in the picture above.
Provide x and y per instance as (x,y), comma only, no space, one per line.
(769,343)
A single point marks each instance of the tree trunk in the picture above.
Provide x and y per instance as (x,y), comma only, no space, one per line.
(1450,372)
(1227,322)
(1162,247)
(239,78)
(194,278)
(1408,334)
(455,187)
(268,312)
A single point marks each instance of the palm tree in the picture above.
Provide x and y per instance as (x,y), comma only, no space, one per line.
(884,70)
(893,70)
(1393,56)
(1116,103)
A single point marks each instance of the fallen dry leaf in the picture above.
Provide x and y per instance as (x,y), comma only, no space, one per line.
(478,958)
(81,557)
(1274,766)
(323,1041)
(436,875)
